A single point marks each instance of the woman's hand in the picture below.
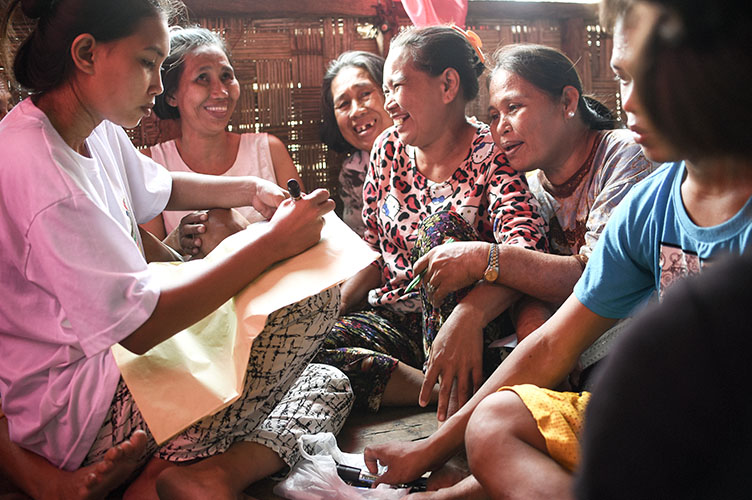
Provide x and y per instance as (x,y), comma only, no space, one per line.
(188,231)
(355,290)
(456,360)
(267,197)
(297,224)
(451,267)
(405,461)
(200,232)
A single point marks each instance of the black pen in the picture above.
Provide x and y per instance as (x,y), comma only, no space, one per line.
(294,188)
(364,479)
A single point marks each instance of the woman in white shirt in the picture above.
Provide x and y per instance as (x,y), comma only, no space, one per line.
(73,190)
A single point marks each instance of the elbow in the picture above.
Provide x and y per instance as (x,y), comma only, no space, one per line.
(135,346)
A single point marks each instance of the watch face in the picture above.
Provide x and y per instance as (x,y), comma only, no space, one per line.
(490,275)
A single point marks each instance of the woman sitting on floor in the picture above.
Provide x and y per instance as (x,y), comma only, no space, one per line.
(74,189)
(433,170)
(584,166)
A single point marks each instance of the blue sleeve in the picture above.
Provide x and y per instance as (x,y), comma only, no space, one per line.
(620,272)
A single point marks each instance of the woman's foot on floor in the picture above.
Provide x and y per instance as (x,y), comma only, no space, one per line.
(97,480)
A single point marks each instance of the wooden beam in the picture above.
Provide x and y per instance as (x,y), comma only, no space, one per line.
(282,8)
(525,10)
(477,9)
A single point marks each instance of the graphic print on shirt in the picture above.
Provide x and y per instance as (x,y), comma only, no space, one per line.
(482,151)
(129,216)
(676,264)
(484,189)
(391,207)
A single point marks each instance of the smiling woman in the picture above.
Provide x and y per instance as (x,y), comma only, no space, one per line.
(353,115)
(435,170)
(202,92)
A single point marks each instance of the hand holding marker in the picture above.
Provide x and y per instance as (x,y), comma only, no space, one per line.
(417,278)
(364,479)
(294,188)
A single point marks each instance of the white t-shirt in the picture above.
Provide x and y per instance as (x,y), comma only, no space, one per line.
(74,279)
(254,158)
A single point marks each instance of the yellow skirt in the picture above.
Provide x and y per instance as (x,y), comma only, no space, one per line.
(559,416)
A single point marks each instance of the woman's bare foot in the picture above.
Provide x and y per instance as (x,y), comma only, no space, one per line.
(449,474)
(97,480)
(403,387)
(467,489)
(186,483)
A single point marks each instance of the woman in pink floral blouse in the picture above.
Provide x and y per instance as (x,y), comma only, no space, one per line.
(433,176)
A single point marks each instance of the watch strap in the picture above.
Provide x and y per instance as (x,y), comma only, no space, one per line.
(492,269)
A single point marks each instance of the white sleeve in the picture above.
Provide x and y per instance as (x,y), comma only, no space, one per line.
(101,282)
(149,183)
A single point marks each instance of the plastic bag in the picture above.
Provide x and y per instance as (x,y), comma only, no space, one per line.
(315,476)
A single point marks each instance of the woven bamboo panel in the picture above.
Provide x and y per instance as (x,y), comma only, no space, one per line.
(280,63)
(583,40)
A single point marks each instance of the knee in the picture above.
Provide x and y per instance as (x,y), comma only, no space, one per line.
(334,380)
(330,385)
(499,419)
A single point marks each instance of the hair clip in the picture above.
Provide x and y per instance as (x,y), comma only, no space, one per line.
(473,39)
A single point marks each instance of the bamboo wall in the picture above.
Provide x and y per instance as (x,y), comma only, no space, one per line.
(280,64)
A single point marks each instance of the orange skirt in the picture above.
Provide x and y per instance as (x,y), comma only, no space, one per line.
(559,416)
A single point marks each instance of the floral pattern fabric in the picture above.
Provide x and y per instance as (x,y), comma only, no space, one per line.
(491,196)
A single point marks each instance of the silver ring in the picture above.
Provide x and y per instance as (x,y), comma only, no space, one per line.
(430,289)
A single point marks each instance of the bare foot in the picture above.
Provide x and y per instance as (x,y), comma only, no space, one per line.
(97,480)
(144,487)
(467,489)
(186,483)
(451,473)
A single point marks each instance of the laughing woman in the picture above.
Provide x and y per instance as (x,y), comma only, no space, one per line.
(352,106)
(584,165)
(434,173)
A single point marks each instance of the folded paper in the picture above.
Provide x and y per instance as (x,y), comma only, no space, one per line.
(201,369)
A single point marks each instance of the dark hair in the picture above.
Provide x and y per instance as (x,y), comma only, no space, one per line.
(43,60)
(694,77)
(368,62)
(183,41)
(550,70)
(436,48)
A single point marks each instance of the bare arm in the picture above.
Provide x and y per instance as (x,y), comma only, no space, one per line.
(355,290)
(156,227)
(284,168)
(530,313)
(192,191)
(545,276)
(544,358)
(548,277)
(457,351)
(182,304)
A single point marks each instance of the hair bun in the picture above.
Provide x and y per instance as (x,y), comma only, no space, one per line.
(34,9)
(479,67)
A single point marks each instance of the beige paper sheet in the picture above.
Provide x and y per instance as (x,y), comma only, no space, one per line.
(201,370)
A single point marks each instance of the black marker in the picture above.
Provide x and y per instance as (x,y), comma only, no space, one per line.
(294,188)
(364,479)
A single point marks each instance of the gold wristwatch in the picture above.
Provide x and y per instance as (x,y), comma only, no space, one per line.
(492,271)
